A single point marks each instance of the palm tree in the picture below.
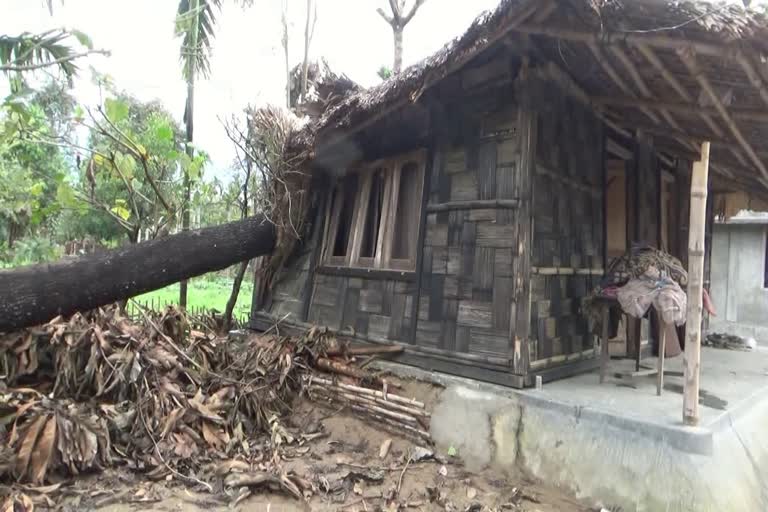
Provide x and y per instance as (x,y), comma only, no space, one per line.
(29,52)
(195,20)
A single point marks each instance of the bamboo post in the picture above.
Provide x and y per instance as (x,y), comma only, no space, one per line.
(696,229)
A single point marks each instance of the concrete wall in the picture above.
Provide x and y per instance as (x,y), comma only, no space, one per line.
(607,460)
(738,266)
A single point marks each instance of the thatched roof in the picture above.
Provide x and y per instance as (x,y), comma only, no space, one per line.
(684,71)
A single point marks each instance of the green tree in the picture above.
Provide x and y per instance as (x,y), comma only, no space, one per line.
(134,166)
(29,172)
(129,169)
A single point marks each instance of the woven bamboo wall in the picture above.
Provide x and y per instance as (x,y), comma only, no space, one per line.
(375,308)
(469,297)
(287,293)
(568,227)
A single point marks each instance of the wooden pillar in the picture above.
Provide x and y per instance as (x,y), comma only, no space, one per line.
(697,225)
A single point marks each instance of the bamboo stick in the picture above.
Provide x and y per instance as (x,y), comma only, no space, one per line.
(362,402)
(566,81)
(652,39)
(389,396)
(387,421)
(681,91)
(367,350)
(350,371)
(651,57)
(696,251)
(474,204)
(616,78)
(696,138)
(645,91)
(753,76)
(376,401)
(688,58)
(680,108)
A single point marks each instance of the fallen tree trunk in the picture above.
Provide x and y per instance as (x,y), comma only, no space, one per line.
(35,294)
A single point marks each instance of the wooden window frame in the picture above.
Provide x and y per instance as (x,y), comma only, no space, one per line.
(382,259)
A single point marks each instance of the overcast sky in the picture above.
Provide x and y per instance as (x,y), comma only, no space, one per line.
(247,65)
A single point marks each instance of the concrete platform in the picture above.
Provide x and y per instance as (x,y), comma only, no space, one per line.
(618,444)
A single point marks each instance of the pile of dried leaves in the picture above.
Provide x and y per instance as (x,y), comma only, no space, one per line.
(162,396)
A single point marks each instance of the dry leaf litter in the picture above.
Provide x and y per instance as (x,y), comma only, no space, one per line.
(168,397)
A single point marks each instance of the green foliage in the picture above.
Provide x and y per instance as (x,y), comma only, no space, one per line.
(27,52)
(30,173)
(384,72)
(76,224)
(135,170)
(117,109)
(195,21)
(33,250)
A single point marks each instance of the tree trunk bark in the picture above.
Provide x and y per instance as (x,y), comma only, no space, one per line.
(398,66)
(35,294)
(285,51)
(305,64)
(238,282)
(189,115)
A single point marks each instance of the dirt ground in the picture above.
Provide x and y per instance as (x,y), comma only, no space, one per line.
(345,455)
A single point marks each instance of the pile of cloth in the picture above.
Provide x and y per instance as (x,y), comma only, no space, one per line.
(637,261)
(654,288)
(643,277)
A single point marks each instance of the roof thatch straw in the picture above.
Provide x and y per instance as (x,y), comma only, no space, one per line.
(650,36)
(725,21)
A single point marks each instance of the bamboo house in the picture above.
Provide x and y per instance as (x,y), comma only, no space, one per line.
(466,206)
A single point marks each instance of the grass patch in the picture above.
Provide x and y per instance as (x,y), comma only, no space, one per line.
(203,293)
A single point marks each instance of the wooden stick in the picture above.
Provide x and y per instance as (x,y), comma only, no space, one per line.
(759,116)
(390,396)
(646,93)
(392,423)
(688,58)
(557,74)
(366,350)
(652,39)
(362,402)
(614,75)
(753,76)
(662,347)
(696,251)
(337,367)
(475,204)
(384,448)
(681,91)
(651,57)
(604,354)
(696,138)
(377,401)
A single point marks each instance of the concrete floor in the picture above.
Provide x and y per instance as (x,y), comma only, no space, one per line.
(730,380)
